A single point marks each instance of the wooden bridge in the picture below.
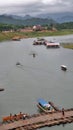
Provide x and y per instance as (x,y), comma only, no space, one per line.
(40,120)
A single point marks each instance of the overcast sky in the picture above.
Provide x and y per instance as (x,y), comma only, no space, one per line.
(34,7)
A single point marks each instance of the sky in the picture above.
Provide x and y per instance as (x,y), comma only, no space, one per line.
(35,7)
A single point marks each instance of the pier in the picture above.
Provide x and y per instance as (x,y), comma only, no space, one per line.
(40,120)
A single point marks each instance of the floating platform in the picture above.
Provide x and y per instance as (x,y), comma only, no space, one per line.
(52,45)
(37,121)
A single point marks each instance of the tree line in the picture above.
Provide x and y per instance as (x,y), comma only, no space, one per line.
(8,27)
(58,26)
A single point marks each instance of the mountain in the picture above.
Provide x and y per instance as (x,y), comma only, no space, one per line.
(21,17)
(27,20)
(58,17)
(42,19)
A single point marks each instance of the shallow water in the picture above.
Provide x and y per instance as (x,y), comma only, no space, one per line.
(36,77)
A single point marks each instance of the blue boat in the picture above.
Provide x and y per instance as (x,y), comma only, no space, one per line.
(44,106)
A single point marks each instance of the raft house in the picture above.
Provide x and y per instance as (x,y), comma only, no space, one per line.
(52,45)
(48,44)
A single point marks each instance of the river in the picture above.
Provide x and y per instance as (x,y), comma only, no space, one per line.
(37,77)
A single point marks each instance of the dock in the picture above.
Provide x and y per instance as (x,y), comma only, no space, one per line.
(40,120)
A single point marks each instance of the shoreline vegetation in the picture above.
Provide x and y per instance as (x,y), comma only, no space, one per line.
(5,36)
(67,45)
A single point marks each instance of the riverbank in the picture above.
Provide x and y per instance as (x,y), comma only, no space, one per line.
(67,45)
(9,35)
(5,36)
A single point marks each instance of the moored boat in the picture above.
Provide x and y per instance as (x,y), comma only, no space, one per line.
(18,63)
(63,67)
(44,106)
(52,44)
(39,41)
(1,89)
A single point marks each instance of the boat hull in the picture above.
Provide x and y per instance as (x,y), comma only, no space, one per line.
(63,67)
(43,109)
(1,89)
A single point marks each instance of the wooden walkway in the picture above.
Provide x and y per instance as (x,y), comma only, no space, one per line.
(40,120)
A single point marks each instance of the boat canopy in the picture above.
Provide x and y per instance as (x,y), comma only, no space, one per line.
(43,103)
(64,66)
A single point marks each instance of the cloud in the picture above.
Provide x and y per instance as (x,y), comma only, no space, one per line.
(16,2)
(50,2)
(34,7)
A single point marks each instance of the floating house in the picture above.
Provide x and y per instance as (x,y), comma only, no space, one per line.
(52,45)
(37,28)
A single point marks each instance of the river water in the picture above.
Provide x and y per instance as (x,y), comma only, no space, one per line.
(36,77)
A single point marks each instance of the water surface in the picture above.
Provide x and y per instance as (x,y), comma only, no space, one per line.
(37,77)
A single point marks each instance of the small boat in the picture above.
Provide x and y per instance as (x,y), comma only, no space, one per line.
(18,63)
(33,54)
(1,89)
(16,38)
(63,67)
(44,106)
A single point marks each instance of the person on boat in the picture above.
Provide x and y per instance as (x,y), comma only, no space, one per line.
(20,115)
(11,117)
(63,112)
(15,117)
(24,116)
(33,54)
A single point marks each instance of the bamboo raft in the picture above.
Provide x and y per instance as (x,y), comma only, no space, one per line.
(40,120)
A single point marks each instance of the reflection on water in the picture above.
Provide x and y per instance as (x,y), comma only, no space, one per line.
(39,77)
